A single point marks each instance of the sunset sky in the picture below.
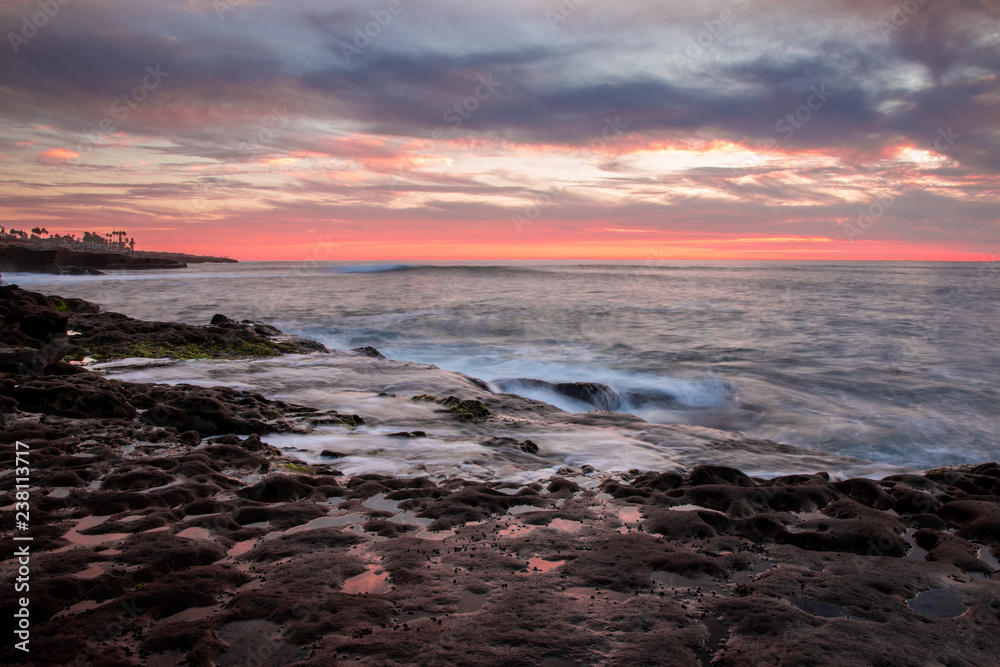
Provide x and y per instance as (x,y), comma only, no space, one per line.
(398,129)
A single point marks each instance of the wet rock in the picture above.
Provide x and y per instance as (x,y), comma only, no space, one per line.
(470,503)
(620,491)
(659,481)
(852,528)
(206,410)
(32,431)
(262,328)
(866,491)
(277,489)
(81,396)
(137,479)
(160,552)
(330,454)
(305,542)
(280,517)
(977,519)
(368,351)
(684,525)
(236,457)
(707,474)
(253,443)
(110,335)
(952,549)
(227,439)
(27,319)
(195,587)
(22,360)
(526,446)
(601,396)
(384,528)
(909,501)
(598,396)
(189,438)
(563,487)
(470,410)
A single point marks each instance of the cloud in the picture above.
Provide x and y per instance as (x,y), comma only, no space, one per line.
(775,115)
(55,155)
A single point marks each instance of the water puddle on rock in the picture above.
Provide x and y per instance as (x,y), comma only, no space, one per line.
(411,519)
(191,614)
(318,522)
(372,582)
(92,572)
(818,607)
(717,632)
(915,553)
(407,616)
(538,565)
(938,603)
(596,594)
(565,524)
(471,602)
(516,530)
(256,642)
(671,580)
(241,548)
(629,514)
(378,502)
(345,519)
(73,534)
(79,607)
(436,535)
(522,509)
(195,533)
(988,557)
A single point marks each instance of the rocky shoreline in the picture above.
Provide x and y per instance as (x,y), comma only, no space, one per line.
(166,530)
(40,258)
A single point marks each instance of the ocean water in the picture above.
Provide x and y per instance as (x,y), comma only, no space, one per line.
(892,363)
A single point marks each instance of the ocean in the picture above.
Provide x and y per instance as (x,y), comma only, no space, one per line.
(892,363)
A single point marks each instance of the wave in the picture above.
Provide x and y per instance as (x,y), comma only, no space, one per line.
(708,392)
(372,268)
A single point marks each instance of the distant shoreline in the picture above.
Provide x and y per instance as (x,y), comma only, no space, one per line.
(27,257)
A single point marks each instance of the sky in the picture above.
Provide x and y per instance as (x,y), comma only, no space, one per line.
(525,129)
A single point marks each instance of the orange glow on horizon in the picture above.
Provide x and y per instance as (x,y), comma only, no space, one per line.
(742,249)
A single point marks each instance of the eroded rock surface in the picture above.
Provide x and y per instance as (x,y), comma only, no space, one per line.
(216,554)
